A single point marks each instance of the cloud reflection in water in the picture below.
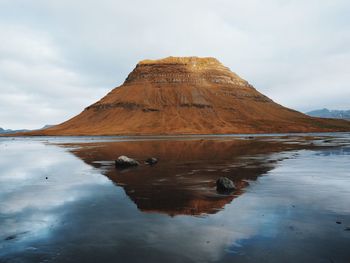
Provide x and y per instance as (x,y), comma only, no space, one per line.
(78,214)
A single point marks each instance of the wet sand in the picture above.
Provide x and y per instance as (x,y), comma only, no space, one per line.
(63,200)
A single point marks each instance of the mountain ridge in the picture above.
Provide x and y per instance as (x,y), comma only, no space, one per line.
(326,113)
(9,131)
(187,95)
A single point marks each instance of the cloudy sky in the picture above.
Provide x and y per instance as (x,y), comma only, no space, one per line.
(59,56)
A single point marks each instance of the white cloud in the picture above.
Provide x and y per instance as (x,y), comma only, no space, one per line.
(64,55)
(37,85)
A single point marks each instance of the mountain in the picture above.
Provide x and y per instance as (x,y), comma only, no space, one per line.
(326,113)
(46,127)
(187,95)
(8,131)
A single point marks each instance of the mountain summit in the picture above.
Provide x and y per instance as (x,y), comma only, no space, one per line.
(188,95)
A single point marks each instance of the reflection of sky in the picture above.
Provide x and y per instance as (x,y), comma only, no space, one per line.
(78,209)
(28,200)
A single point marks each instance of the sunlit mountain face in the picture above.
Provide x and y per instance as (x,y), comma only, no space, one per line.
(187,95)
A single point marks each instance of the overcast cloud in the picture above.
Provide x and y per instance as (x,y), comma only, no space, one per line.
(59,56)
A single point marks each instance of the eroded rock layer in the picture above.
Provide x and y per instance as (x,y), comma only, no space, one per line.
(188,95)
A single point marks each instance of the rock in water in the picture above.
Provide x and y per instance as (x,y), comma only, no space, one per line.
(187,95)
(223,184)
(125,162)
(151,161)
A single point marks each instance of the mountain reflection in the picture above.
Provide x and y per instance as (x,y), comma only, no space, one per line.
(183,182)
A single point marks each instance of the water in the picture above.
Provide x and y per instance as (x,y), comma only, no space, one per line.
(62,200)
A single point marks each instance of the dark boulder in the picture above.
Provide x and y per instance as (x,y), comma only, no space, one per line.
(151,161)
(125,162)
(10,237)
(223,184)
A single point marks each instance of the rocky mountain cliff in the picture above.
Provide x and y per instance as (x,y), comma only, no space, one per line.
(187,95)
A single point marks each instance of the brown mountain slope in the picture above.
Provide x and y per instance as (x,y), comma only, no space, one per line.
(188,95)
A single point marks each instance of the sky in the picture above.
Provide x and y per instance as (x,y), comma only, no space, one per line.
(58,57)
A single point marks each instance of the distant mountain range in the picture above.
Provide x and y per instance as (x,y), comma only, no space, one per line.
(3,131)
(9,131)
(334,114)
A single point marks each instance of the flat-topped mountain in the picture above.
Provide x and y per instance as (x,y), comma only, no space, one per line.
(188,95)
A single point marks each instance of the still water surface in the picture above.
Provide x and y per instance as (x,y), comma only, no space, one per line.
(62,200)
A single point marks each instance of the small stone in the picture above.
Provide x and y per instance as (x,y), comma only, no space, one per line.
(223,184)
(10,237)
(46,178)
(125,162)
(151,161)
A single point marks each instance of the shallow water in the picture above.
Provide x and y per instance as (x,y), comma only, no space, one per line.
(62,200)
